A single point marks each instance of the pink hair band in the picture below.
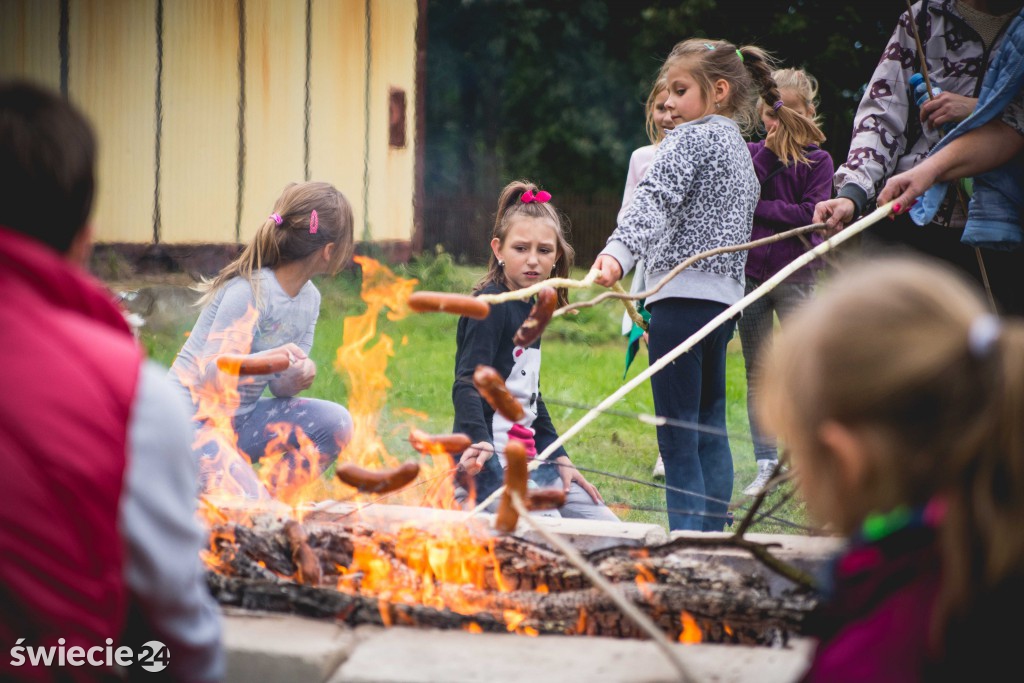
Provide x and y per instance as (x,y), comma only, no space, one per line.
(541,197)
(276,217)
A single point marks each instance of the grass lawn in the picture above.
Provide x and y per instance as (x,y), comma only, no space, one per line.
(583,363)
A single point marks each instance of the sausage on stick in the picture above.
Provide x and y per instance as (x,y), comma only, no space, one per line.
(492,387)
(377,481)
(459,304)
(540,316)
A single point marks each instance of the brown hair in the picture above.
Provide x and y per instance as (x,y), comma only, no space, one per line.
(274,244)
(510,205)
(47,165)
(748,70)
(886,351)
(654,132)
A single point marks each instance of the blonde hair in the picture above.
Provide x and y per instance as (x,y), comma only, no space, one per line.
(511,205)
(886,351)
(748,70)
(654,132)
(274,244)
(806,88)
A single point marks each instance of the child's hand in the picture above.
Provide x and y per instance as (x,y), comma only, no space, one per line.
(570,474)
(834,213)
(473,458)
(611,270)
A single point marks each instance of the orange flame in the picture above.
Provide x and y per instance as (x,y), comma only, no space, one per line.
(690,633)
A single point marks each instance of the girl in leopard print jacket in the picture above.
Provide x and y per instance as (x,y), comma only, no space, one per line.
(699,193)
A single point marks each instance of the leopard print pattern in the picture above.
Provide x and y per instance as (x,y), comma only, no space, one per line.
(698,194)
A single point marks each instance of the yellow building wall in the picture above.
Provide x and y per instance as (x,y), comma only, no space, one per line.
(112,60)
(337,84)
(29,44)
(113,75)
(392,170)
(199,154)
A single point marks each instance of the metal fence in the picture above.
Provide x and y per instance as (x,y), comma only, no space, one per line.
(462,225)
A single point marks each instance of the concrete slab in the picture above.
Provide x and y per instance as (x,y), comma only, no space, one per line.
(285,648)
(403,655)
(810,554)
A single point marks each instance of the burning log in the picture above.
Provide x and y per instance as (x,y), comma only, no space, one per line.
(516,583)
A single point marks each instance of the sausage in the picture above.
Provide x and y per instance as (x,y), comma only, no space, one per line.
(540,316)
(492,387)
(307,564)
(516,475)
(264,364)
(545,499)
(377,481)
(433,444)
(460,304)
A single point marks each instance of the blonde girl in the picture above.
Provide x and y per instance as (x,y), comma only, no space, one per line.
(789,192)
(528,245)
(901,402)
(307,233)
(658,121)
(699,192)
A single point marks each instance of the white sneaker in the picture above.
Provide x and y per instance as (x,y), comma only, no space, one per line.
(659,469)
(764,474)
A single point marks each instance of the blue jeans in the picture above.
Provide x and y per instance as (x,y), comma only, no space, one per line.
(692,389)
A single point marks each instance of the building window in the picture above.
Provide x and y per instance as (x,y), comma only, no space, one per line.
(396,118)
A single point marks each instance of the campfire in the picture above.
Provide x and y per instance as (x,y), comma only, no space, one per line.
(306,544)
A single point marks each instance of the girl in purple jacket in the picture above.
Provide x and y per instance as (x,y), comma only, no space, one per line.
(789,192)
(901,402)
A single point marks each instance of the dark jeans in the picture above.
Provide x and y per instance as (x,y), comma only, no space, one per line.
(692,389)
(1005,269)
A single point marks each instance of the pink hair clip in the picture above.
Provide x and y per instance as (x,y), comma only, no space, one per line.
(276,217)
(314,222)
(541,197)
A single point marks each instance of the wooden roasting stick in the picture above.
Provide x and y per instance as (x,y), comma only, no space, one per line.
(617,292)
(632,612)
(768,285)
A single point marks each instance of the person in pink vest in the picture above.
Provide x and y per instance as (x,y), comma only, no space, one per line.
(98,536)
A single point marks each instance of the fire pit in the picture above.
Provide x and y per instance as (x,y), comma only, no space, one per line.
(433,573)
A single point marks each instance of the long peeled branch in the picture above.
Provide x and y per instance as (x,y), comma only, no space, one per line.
(619,293)
(526,292)
(852,230)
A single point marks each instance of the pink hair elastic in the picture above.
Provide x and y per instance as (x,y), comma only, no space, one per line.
(778,105)
(541,197)
(276,217)
(314,222)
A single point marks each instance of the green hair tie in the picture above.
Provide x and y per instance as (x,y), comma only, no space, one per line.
(740,55)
